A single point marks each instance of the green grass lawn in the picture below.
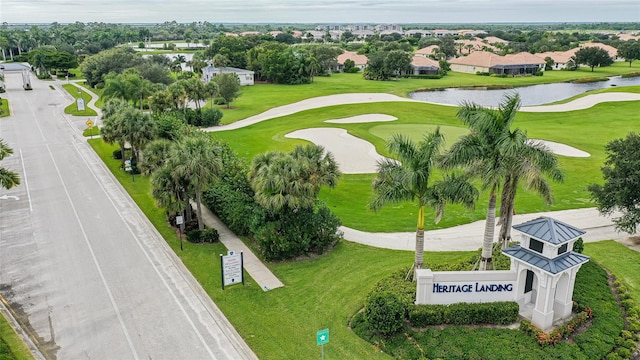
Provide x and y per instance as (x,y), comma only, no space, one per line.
(588,130)
(91,132)
(72,109)
(4,108)
(96,91)
(260,97)
(11,346)
(622,261)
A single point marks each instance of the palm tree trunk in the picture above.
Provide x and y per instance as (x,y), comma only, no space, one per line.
(199,209)
(489,230)
(419,258)
(507,217)
(189,214)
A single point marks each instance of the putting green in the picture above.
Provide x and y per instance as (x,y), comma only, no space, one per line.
(416,131)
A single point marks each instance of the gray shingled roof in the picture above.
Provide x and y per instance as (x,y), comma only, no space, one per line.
(561,263)
(549,230)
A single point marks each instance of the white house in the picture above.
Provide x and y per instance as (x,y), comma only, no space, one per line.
(245,76)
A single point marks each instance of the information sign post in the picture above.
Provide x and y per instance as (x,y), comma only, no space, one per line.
(232,268)
(322,337)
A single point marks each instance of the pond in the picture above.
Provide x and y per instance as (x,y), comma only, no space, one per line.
(529,95)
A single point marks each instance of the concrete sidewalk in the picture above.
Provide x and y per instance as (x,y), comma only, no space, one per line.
(469,236)
(256,269)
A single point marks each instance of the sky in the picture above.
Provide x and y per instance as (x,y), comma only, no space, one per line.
(319,11)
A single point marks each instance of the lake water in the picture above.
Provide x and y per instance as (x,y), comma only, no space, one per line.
(529,95)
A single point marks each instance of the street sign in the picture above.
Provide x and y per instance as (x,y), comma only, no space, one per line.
(89,123)
(80,103)
(322,337)
(231,268)
(179,220)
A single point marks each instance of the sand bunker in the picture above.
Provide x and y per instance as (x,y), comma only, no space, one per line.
(562,149)
(353,155)
(366,118)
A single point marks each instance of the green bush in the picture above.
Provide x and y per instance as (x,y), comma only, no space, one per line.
(384,313)
(117,154)
(624,352)
(613,356)
(423,76)
(464,314)
(483,73)
(219,101)
(578,246)
(209,235)
(210,117)
(193,236)
(629,344)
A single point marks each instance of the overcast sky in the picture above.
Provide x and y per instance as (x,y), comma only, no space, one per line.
(319,11)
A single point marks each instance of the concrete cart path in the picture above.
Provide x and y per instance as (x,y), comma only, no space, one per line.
(469,236)
(256,269)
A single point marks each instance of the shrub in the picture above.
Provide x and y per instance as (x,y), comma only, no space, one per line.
(117,154)
(483,73)
(505,312)
(209,235)
(423,76)
(210,117)
(384,313)
(629,344)
(624,352)
(539,73)
(219,101)
(578,246)
(193,236)
(613,356)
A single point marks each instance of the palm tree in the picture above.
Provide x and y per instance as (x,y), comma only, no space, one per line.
(290,181)
(116,87)
(194,157)
(483,152)
(155,156)
(112,124)
(138,129)
(532,162)
(8,179)
(168,192)
(409,179)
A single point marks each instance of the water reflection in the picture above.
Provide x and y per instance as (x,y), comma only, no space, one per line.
(530,95)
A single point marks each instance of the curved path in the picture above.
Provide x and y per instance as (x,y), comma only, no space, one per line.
(584,102)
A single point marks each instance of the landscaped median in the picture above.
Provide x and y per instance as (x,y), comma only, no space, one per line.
(72,109)
(11,346)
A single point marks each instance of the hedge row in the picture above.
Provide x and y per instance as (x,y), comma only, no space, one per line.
(627,341)
(501,313)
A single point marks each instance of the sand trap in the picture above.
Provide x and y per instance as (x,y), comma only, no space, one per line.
(562,149)
(353,155)
(366,118)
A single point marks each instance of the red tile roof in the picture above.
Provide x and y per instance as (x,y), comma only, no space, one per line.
(359,60)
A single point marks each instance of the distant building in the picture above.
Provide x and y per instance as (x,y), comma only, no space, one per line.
(389,27)
(512,64)
(245,33)
(245,76)
(329,27)
(359,60)
(359,27)
(429,50)
(424,66)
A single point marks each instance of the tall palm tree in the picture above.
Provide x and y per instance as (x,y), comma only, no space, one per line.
(410,178)
(483,152)
(138,129)
(533,161)
(155,156)
(194,157)
(113,130)
(8,179)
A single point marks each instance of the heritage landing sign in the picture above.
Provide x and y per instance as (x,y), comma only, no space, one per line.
(449,287)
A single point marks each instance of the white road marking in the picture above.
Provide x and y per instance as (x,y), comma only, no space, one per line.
(26,182)
(175,298)
(35,118)
(93,256)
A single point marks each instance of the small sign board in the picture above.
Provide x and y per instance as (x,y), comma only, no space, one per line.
(127,165)
(89,123)
(231,265)
(179,220)
(80,103)
(322,337)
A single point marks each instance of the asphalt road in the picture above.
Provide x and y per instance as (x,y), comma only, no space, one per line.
(80,265)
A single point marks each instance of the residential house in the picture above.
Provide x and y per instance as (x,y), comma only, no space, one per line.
(245,76)
(442,33)
(613,52)
(512,64)
(275,33)
(627,37)
(495,40)
(561,59)
(423,33)
(359,60)
(472,32)
(336,35)
(428,51)
(314,35)
(245,33)
(466,46)
(363,34)
(231,34)
(424,66)
(296,33)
